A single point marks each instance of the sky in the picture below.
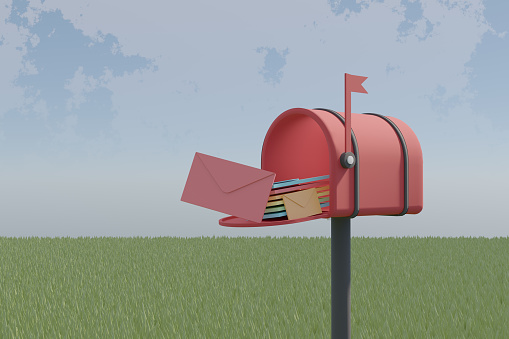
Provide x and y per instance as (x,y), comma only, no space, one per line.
(103,105)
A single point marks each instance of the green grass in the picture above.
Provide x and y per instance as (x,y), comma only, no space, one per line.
(250,287)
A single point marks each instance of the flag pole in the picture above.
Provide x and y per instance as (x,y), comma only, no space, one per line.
(348,114)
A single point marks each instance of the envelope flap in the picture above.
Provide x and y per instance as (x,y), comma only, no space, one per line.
(301,198)
(230,175)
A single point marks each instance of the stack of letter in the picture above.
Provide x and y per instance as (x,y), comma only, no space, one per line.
(296,198)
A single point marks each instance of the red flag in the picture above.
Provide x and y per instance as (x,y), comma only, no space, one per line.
(354,83)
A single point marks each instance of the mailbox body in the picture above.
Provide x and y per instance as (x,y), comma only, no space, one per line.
(304,143)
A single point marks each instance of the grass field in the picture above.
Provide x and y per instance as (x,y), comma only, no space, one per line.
(250,287)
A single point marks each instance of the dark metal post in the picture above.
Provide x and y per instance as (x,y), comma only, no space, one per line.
(340,278)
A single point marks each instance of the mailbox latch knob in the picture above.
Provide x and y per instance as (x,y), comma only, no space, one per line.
(347,160)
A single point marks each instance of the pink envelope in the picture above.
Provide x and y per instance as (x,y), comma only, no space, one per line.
(228,187)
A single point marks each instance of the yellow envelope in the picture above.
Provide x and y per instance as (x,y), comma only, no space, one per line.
(302,204)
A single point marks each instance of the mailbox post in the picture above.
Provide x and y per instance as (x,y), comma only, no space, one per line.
(340,278)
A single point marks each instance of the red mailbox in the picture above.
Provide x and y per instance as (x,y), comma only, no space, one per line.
(386,179)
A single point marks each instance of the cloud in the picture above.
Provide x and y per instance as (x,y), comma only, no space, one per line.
(79,86)
(274,63)
(414,22)
(13,40)
(52,70)
(345,6)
